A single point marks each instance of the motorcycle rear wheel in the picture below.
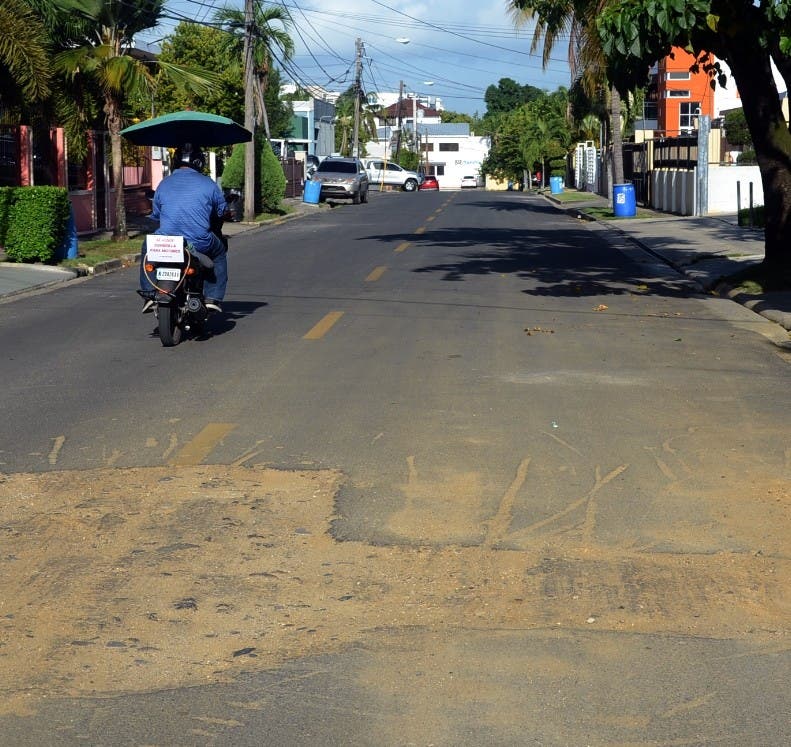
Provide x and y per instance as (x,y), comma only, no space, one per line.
(170,331)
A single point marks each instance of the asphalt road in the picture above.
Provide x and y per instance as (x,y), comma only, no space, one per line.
(568,468)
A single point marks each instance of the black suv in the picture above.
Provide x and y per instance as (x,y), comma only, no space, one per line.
(342,177)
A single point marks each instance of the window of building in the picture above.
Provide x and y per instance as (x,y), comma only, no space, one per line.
(671,94)
(687,113)
(678,75)
(448,146)
(429,146)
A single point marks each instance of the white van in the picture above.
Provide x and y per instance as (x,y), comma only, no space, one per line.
(387,172)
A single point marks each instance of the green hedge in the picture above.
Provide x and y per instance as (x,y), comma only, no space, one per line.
(37,218)
(6,198)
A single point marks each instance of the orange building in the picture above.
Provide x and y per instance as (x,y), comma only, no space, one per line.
(681,95)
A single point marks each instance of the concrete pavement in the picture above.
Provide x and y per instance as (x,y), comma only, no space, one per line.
(705,249)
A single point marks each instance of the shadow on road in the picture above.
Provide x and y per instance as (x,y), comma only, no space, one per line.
(567,261)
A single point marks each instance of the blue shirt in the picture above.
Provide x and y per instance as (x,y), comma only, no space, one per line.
(184,204)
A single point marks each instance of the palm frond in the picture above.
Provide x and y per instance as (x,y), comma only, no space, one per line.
(23,49)
(73,62)
(193,79)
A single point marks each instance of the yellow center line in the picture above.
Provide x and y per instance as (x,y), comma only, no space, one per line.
(438,211)
(430,218)
(376,273)
(420,230)
(402,247)
(198,449)
(323,326)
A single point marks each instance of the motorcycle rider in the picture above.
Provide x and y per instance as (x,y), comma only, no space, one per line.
(188,203)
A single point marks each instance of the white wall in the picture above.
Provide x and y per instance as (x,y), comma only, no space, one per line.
(722,187)
(673,191)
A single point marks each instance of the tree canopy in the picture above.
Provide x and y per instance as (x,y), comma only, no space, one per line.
(508,95)
(527,137)
(748,35)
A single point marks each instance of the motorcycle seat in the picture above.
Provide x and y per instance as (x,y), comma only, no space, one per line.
(204,259)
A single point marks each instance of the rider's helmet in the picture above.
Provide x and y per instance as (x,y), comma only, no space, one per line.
(190,155)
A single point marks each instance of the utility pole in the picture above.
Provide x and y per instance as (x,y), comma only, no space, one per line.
(414,118)
(398,136)
(704,128)
(358,72)
(249,112)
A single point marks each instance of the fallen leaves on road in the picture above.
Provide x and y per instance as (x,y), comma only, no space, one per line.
(537,330)
(600,307)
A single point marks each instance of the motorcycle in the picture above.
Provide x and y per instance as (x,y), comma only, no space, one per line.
(173,267)
(177,272)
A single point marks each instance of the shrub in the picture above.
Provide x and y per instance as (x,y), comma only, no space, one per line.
(755,218)
(271,186)
(233,173)
(6,198)
(272,180)
(37,223)
(747,156)
(409,160)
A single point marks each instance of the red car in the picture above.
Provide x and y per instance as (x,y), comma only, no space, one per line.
(429,183)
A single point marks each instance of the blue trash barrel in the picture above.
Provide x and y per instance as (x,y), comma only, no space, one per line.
(623,202)
(69,248)
(556,185)
(312,192)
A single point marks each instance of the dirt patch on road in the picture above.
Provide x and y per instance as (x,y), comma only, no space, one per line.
(141,579)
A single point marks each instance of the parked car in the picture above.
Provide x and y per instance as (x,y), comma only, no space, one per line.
(387,172)
(429,183)
(469,181)
(342,177)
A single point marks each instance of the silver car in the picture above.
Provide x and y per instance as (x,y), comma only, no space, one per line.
(387,172)
(342,177)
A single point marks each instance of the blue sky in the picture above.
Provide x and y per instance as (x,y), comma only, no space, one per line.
(454,49)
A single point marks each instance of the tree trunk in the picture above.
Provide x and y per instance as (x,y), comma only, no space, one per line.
(261,83)
(249,112)
(112,110)
(772,141)
(617,140)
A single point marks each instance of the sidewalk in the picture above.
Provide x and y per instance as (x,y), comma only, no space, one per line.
(705,249)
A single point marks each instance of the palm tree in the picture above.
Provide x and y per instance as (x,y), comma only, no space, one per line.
(585,54)
(344,121)
(25,71)
(267,37)
(98,50)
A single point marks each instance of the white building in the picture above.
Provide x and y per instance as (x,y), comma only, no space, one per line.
(449,151)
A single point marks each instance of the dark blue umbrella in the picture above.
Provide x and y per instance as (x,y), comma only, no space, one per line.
(198,128)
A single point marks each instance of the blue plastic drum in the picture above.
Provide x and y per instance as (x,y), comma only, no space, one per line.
(312,192)
(623,202)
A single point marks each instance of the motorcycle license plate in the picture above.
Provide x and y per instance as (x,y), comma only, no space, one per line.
(168,273)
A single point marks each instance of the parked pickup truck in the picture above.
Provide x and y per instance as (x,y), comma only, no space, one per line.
(387,172)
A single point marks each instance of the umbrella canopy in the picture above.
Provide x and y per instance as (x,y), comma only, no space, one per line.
(198,128)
